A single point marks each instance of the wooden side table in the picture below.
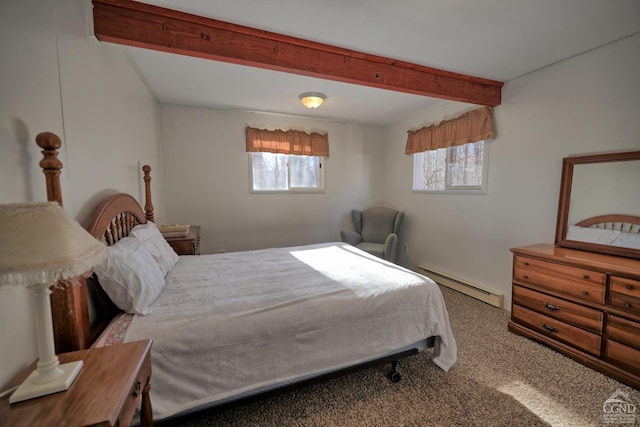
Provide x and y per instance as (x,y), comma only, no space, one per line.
(189,245)
(113,382)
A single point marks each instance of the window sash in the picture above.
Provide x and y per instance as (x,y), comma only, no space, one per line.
(284,173)
(304,171)
(438,175)
(460,172)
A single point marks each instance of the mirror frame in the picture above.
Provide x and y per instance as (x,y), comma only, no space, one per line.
(568,164)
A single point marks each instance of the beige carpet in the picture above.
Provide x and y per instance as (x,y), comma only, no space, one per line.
(500,379)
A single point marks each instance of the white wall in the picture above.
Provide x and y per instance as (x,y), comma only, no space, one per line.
(54,77)
(206,173)
(585,104)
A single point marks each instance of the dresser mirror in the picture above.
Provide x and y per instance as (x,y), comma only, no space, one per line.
(599,207)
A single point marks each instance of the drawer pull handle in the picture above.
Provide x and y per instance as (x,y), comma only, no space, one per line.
(630,287)
(525,276)
(136,389)
(526,263)
(549,328)
(551,307)
(627,305)
(585,293)
(585,277)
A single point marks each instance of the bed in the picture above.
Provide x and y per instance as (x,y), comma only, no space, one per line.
(230,326)
(614,230)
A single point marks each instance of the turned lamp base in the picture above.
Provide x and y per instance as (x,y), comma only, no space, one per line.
(30,389)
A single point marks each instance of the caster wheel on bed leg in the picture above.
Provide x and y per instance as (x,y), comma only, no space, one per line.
(395,377)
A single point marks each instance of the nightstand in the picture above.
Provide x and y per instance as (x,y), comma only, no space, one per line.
(113,382)
(189,245)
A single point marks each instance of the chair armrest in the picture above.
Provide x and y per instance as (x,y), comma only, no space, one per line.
(391,247)
(350,237)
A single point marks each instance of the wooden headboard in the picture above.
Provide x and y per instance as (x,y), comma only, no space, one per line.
(72,302)
(624,223)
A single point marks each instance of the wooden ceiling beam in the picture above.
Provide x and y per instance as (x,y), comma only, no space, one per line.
(142,25)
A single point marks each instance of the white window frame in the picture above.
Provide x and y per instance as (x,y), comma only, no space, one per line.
(475,189)
(298,190)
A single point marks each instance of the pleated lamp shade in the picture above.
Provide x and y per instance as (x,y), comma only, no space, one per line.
(41,243)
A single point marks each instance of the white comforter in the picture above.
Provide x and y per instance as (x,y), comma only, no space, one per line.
(227,324)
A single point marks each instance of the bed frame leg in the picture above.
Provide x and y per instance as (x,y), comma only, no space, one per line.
(394,375)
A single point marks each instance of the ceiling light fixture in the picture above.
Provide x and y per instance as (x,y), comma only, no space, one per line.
(312,99)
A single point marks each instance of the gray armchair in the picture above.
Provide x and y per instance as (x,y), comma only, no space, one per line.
(376,231)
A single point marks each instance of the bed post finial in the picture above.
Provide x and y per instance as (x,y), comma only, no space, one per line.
(50,164)
(148,206)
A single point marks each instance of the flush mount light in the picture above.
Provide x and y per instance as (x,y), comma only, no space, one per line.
(312,99)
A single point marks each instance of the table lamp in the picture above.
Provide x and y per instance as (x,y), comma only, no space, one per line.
(41,245)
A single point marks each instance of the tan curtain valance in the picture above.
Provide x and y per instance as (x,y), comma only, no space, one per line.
(287,142)
(472,126)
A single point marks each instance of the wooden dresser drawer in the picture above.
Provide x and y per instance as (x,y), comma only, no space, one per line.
(621,354)
(576,282)
(560,309)
(624,302)
(622,285)
(557,330)
(623,330)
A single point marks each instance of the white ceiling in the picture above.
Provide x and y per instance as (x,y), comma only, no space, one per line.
(494,39)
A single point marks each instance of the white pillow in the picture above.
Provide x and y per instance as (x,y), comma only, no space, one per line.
(130,276)
(161,251)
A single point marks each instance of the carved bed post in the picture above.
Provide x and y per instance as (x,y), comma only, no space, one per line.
(69,307)
(50,164)
(148,206)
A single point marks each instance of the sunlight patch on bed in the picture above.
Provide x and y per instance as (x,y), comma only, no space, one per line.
(545,407)
(354,269)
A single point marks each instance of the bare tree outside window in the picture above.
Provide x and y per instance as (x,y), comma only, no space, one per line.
(305,171)
(285,172)
(465,165)
(451,169)
(430,170)
(269,171)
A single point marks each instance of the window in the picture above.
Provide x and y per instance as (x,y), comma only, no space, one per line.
(285,173)
(461,168)
(286,161)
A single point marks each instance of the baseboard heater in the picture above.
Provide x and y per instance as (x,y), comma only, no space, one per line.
(479,292)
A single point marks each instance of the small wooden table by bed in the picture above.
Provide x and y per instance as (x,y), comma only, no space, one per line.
(109,388)
(188,245)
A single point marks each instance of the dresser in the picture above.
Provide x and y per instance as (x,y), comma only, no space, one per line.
(583,304)
(188,245)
